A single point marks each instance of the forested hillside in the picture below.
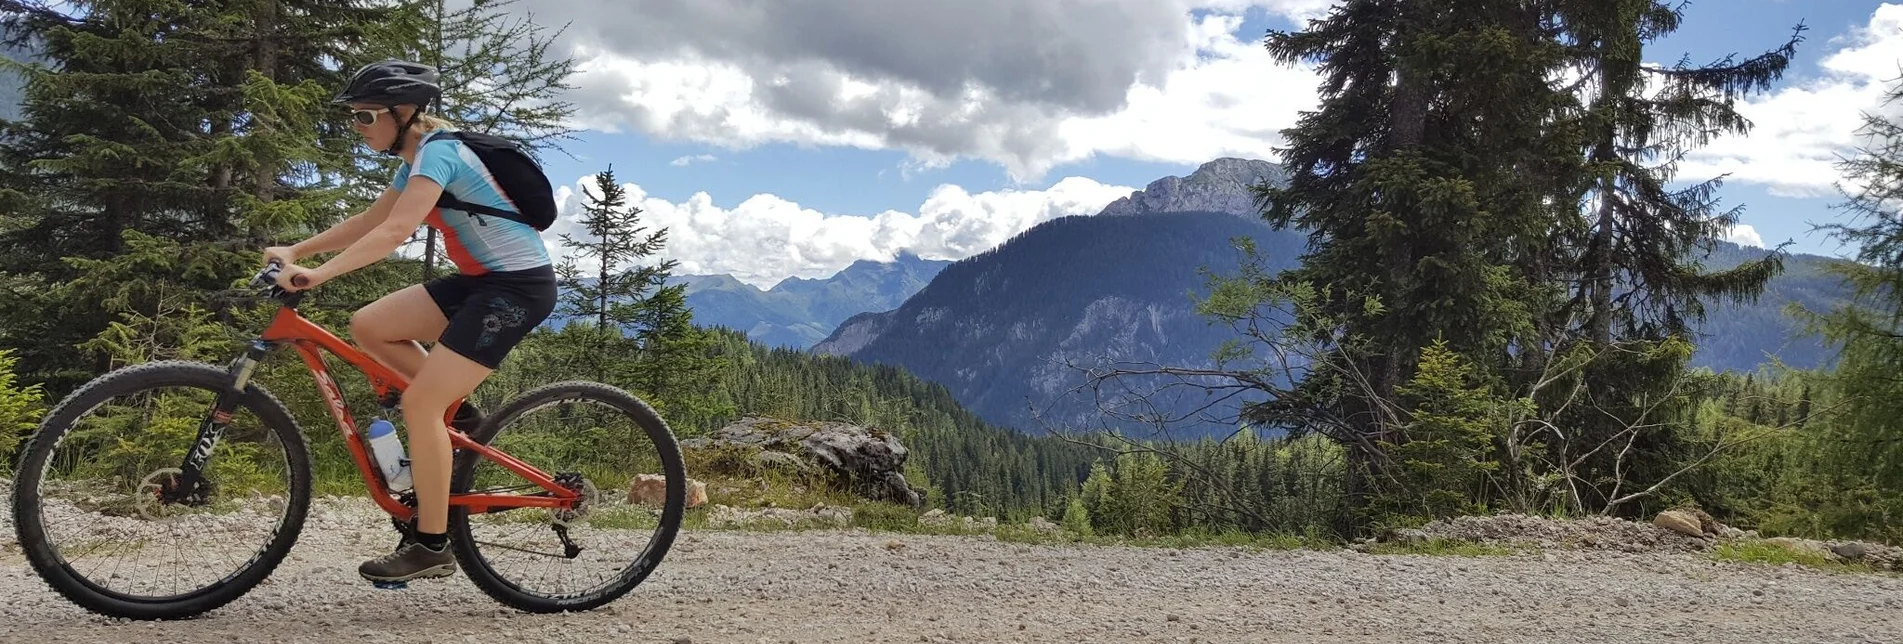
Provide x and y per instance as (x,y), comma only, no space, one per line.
(1743,337)
(1119,292)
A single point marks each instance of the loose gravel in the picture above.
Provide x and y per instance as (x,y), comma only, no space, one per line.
(855,586)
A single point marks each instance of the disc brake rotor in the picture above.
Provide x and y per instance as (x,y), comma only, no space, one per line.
(153,490)
(577,483)
(160,494)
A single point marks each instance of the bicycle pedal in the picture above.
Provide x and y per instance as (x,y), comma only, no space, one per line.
(391,585)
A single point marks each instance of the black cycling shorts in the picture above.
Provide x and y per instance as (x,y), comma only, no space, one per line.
(489,314)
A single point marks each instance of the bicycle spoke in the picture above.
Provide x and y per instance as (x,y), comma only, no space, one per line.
(103,516)
(545,554)
(592,439)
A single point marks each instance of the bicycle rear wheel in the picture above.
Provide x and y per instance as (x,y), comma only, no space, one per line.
(100,501)
(596,439)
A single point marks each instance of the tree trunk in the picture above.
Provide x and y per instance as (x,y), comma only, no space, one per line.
(429,253)
(601,286)
(1599,251)
(1407,127)
(265,23)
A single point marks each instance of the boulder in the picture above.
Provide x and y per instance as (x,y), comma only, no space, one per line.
(696,493)
(1681,522)
(1805,546)
(651,489)
(867,460)
(1044,526)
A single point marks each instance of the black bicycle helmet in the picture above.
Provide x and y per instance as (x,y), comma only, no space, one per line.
(391,82)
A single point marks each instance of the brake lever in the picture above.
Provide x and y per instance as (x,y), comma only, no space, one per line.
(268,276)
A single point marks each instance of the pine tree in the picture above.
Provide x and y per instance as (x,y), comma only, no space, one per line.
(642,328)
(163,144)
(1634,255)
(1642,233)
(615,241)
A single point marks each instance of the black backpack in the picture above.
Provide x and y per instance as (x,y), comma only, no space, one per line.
(521,179)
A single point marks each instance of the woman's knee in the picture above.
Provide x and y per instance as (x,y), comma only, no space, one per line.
(364,327)
(423,402)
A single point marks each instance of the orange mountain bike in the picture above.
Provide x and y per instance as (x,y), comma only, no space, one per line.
(167,489)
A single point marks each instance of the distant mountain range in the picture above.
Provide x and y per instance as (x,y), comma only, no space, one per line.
(1010,330)
(798,312)
(1006,330)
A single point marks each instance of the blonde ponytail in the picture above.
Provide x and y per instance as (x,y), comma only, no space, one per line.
(424,123)
(430,123)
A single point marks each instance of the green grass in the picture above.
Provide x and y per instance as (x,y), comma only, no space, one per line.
(1766,552)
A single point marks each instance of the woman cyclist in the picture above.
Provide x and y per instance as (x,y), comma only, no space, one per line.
(504,286)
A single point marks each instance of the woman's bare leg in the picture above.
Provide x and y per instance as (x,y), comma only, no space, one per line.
(389,328)
(445,378)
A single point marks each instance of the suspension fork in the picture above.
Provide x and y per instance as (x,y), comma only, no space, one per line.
(191,472)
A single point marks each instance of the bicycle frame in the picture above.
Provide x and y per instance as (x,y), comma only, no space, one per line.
(308,338)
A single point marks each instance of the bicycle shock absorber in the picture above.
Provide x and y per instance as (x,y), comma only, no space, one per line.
(188,485)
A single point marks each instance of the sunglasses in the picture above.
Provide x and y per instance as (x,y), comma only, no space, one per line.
(367,117)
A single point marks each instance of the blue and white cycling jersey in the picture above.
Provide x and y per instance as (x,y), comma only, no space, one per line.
(476,245)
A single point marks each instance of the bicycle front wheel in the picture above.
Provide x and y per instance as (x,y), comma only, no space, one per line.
(107,518)
(593,438)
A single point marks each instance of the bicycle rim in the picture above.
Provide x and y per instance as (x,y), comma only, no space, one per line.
(100,513)
(600,440)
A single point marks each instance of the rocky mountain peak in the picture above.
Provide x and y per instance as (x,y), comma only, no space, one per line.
(1221,185)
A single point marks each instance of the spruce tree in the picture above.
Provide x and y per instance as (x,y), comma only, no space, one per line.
(639,326)
(1425,169)
(1632,250)
(613,240)
(161,147)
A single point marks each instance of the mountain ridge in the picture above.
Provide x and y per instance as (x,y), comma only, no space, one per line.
(797,312)
(995,327)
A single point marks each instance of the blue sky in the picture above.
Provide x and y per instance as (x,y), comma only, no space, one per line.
(759,154)
(1746,27)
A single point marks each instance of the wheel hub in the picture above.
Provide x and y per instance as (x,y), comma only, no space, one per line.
(168,486)
(579,484)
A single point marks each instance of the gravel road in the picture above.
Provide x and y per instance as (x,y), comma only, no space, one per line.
(851,586)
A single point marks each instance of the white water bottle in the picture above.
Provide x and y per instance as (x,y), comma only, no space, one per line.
(388,450)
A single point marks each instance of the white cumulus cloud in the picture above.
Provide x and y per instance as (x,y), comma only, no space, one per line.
(1026,85)
(765,238)
(1744,235)
(1800,129)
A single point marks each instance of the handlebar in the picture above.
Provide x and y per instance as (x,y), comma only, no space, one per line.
(269,276)
(267,280)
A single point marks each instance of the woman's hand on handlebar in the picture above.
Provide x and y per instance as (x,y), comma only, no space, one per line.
(297,278)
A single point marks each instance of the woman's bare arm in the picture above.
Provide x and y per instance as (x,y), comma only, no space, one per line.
(350,230)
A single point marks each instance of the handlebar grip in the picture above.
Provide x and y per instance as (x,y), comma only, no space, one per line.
(299,280)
